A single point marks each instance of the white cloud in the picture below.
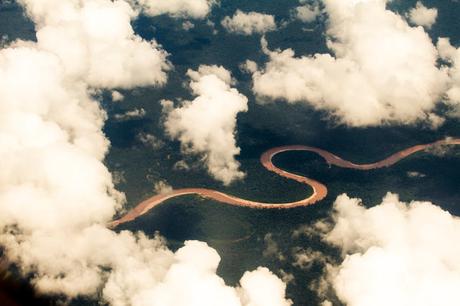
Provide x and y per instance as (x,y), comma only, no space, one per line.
(150,140)
(286,277)
(249,23)
(56,195)
(383,71)
(117,96)
(187,25)
(191,279)
(307,12)
(132,114)
(162,187)
(415,174)
(271,248)
(452,55)
(256,285)
(197,9)
(304,259)
(118,177)
(395,253)
(212,25)
(248,66)
(206,125)
(423,16)
(46,123)
(95,42)
(181,165)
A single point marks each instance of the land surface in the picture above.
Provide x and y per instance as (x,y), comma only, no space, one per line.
(319,189)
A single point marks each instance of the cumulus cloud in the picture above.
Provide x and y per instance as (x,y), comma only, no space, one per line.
(423,16)
(249,23)
(255,286)
(181,165)
(118,177)
(197,9)
(307,12)
(206,125)
(395,253)
(162,187)
(304,259)
(56,195)
(248,66)
(191,280)
(132,114)
(415,174)
(117,96)
(187,25)
(452,55)
(100,32)
(150,140)
(287,277)
(382,71)
(271,248)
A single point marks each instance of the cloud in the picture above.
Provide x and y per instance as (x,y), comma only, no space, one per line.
(132,114)
(248,66)
(56,194)
(150,140)
(96,43)
(249,23)
(181,165)
(271,248)
(304,259)
(162,187)
(48,121)
(370,80)
(197,9)
(415,174)
(117,96)
(395,253)
(452,55)
(187,25)
(192,280)
(118,177)
(422,16)
(287,277)
(255,286)
(206,125)
(307,12)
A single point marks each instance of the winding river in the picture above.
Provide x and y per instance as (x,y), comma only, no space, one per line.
(319,189)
